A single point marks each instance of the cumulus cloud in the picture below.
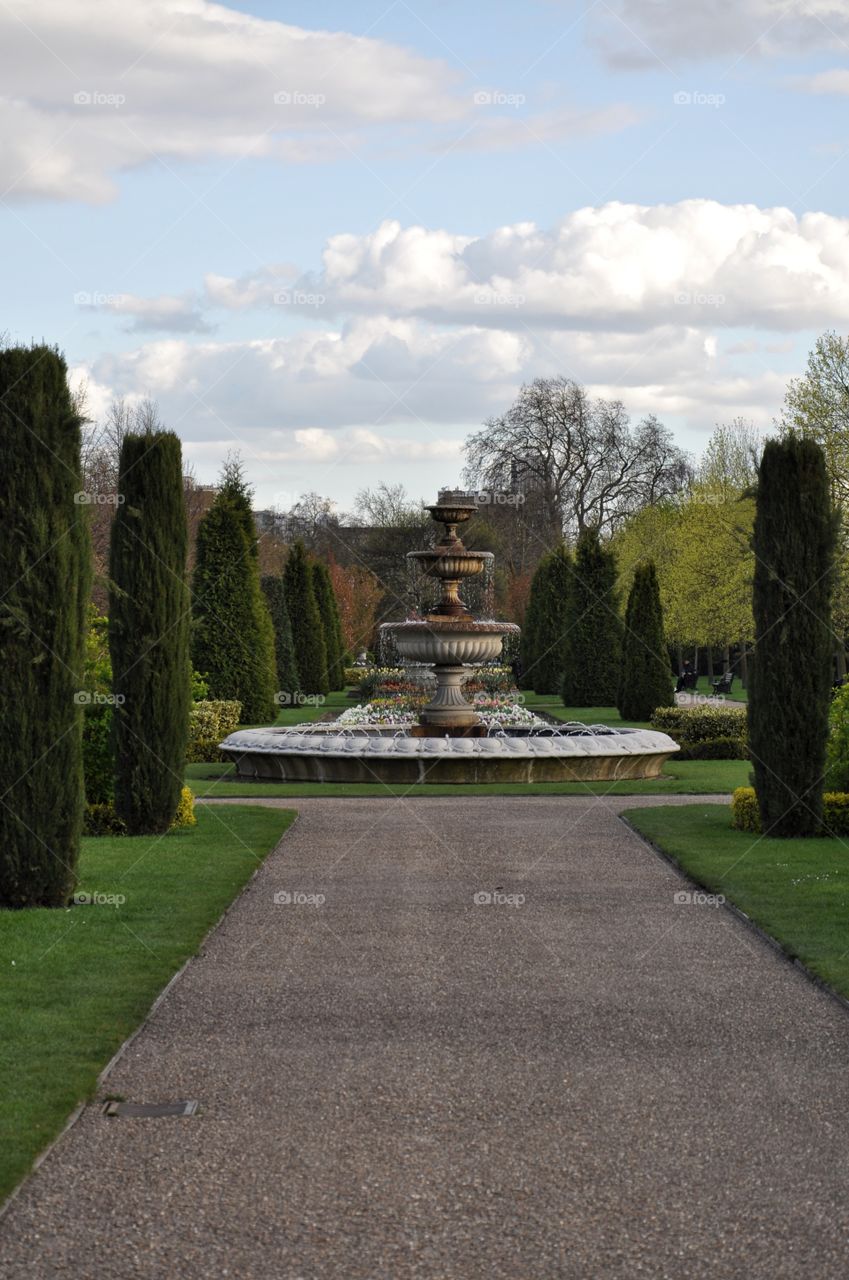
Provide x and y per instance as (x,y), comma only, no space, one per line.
(635,33)
(164,313)
(697,263)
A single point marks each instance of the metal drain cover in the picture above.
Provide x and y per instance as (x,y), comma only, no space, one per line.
(150,1109)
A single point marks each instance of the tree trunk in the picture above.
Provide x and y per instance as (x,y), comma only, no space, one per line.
(840,659)
(726,659)
(744,665)
(679,658)
(709,656)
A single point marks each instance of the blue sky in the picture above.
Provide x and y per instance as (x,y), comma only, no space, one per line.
(448,200)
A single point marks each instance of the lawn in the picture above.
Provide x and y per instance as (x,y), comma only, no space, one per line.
(79,981)
(796,890)
(687,777)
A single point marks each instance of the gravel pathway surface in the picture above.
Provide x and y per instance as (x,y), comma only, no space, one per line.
(578,1077)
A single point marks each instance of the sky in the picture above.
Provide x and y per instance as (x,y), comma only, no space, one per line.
(337,238)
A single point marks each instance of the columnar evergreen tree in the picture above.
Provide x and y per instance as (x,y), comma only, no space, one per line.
(288,680)
(543,650)
(646,680)
(149,624)
(594,630)
(789,693)
(328,608)
(307,627)
(232,637)
(45,567)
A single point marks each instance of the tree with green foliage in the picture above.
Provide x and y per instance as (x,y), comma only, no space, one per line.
(45,576)
(789,694)
(307,627)
(233,636)
(816,407)
(288,680)
(593,650)
(543,652)
(149,624)
(646,680)
(329,610)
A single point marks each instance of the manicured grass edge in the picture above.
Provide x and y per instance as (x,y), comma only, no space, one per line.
(11,1197)
(775,944)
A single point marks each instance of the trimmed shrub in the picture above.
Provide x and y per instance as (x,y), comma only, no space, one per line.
(209,723)
(307,628)
(286,664)
(45,567)
(645,679)
(700,725)
(149,631)
(328,609)
(837,747)
(593,647)
(102,820)
(789,693)
(233,636)
(746,816)
(543,641)
(185,815)
(98,758)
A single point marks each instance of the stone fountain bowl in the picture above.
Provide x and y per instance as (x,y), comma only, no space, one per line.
(451,642)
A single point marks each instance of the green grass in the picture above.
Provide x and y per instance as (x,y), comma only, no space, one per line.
(795,890)
(689,777)
(77,982)
(551,705)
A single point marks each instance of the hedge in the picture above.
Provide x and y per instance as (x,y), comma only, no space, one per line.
(705,732)
(746,816)
(209,722)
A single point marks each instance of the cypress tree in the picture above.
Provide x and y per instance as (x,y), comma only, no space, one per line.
(544,630)
(307,628)
(325,598)
(149,623)
(288,680)
(646,679)
(232,636)
(594,629)
(790,687)
(45,575)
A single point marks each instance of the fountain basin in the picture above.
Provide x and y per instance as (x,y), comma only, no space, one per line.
(324,754)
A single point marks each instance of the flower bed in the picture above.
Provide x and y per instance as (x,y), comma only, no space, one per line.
(493,710)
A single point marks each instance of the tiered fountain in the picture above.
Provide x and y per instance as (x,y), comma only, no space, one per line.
(449,744)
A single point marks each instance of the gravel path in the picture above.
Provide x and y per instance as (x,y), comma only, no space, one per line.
(592,1082)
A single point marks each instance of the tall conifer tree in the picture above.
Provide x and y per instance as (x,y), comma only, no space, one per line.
(307,627)
(594,628)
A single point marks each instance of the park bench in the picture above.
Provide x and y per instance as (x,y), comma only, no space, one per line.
(723,684)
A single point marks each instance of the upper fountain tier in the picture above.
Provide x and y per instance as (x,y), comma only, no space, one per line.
(449,560)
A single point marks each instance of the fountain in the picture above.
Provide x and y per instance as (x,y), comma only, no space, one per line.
(449,743)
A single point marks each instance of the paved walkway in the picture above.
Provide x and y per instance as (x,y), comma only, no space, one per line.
(598,1082)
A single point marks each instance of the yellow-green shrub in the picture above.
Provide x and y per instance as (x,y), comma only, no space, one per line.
(209,722)
(185,815)
(745,814)
(705,732)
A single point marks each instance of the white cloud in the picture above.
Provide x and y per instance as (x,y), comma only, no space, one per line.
(697,263)
(634,33)
(164,313)
(834,81)
(90,88)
